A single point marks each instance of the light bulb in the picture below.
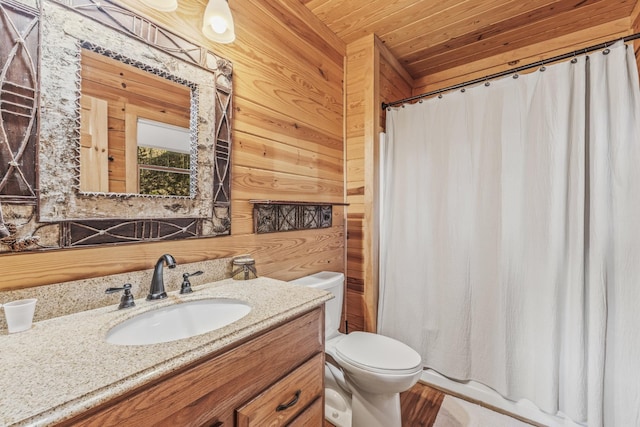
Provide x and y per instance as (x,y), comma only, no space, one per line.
(219,24)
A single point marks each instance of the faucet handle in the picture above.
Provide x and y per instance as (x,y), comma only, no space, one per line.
(186,284)
(127,298)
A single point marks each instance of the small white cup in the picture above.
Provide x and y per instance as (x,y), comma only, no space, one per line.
(19,314)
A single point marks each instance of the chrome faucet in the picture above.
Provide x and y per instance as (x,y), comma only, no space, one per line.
(157,282)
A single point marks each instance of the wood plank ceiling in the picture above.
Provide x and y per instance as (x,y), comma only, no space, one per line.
(430,36)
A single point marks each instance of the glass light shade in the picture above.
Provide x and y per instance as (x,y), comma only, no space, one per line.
(162,5)
(217,24)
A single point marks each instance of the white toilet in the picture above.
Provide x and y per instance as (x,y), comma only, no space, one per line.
(362,388)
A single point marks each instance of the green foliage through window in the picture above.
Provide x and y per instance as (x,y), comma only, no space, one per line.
(163,172)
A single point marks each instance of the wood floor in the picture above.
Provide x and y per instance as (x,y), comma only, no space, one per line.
(420,405)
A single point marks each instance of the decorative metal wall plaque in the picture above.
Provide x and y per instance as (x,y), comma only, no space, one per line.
(86,233)
(271,217)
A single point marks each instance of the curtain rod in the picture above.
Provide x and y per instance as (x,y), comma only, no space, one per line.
(510,71)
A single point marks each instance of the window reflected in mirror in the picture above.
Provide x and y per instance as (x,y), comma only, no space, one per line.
(164,159)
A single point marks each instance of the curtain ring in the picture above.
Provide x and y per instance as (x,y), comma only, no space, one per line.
(463,90)
(542,67)
(515,76)
(574,60)
(487,83)
(606,49)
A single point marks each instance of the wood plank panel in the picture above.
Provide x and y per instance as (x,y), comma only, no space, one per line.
(355,171)
(260,153)
(470,22)
(356,19)
(261,83)
(391,84)
(525,35)
(94,144)
(419,406)
(634,19)
(265,122)
(112,80)
(355,311)
(249,183)
(355,131)
(450,22)
(355,148)
(528,55)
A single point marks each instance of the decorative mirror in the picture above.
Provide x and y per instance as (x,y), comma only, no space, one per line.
(135,132)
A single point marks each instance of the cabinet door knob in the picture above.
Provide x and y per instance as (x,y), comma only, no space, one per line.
(284,406)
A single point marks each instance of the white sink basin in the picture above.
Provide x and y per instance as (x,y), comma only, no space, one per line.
(178,321)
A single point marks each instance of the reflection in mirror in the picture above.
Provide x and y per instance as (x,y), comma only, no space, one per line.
(164,159)
(135,130)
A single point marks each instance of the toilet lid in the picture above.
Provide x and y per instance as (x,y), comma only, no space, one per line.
(377,352)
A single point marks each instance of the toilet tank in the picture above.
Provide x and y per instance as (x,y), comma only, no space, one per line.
(333,282)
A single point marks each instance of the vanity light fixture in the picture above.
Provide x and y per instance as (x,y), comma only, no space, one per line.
(217,24)
(162,5)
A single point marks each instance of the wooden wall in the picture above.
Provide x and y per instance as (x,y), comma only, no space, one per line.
(635,27)
(288,145)
(372,74)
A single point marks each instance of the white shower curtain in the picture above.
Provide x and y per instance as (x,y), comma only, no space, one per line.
(510,249)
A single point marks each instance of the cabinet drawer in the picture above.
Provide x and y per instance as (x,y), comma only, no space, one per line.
(287,398)
(312,416)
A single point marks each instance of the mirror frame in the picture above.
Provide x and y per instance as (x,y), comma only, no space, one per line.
(60,198)
(67,217)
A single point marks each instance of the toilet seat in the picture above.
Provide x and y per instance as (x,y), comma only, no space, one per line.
(378,353)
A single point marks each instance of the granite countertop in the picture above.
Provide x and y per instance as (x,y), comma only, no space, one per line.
(63,366)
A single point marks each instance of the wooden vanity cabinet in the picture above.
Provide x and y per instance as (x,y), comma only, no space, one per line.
(243,386)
